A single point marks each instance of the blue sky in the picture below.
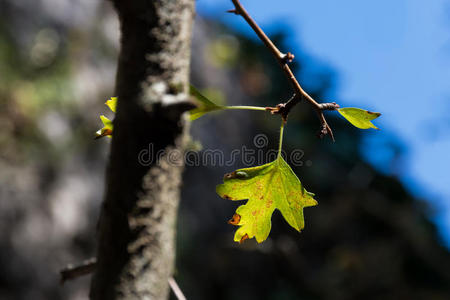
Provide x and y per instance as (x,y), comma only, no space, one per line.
(389,56)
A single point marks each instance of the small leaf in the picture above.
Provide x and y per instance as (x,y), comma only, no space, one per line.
(359,117)
(107,128)
(267,187)
(112,103)
(204,104)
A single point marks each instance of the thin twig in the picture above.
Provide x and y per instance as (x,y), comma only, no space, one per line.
(176,289)
(283,59)
(72,272)
(88,266)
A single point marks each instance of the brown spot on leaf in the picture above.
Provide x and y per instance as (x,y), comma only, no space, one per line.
(259,185)
(235,219)
(104,132)
(254,212)
(229,175)
(227,197)
(245,237)
(374,113)
(107,132)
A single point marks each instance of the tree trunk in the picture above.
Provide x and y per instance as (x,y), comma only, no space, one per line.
(136,233)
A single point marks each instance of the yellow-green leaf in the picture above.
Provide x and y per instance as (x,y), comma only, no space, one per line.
(359,117)
(267,187)
(112,103)
(204,105)
(107,128)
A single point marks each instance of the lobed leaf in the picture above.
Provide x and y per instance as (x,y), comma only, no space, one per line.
(107,123)
(107,128)
(267,187)
(204,104)
(359,117)
(112,103)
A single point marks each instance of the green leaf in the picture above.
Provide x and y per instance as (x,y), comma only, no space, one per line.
(107,128)
(112,103)
(204,104)
(107,123)
(359,117)
(267,187)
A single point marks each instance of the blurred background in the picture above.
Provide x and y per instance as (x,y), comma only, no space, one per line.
(382,226)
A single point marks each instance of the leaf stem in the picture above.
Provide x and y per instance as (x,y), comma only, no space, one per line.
(280,145)
(245,107)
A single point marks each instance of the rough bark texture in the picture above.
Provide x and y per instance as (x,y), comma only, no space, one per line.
(136,242)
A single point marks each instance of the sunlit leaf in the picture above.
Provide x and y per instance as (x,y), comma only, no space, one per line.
(359,117)
(112,103)
(267,187)
(204,105)
(107,123)
(107,128)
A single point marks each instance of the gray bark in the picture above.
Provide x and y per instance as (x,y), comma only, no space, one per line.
(136,230)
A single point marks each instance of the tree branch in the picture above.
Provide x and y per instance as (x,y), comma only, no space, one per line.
(283,60)
(88,266)
(73,272)
(136,228)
